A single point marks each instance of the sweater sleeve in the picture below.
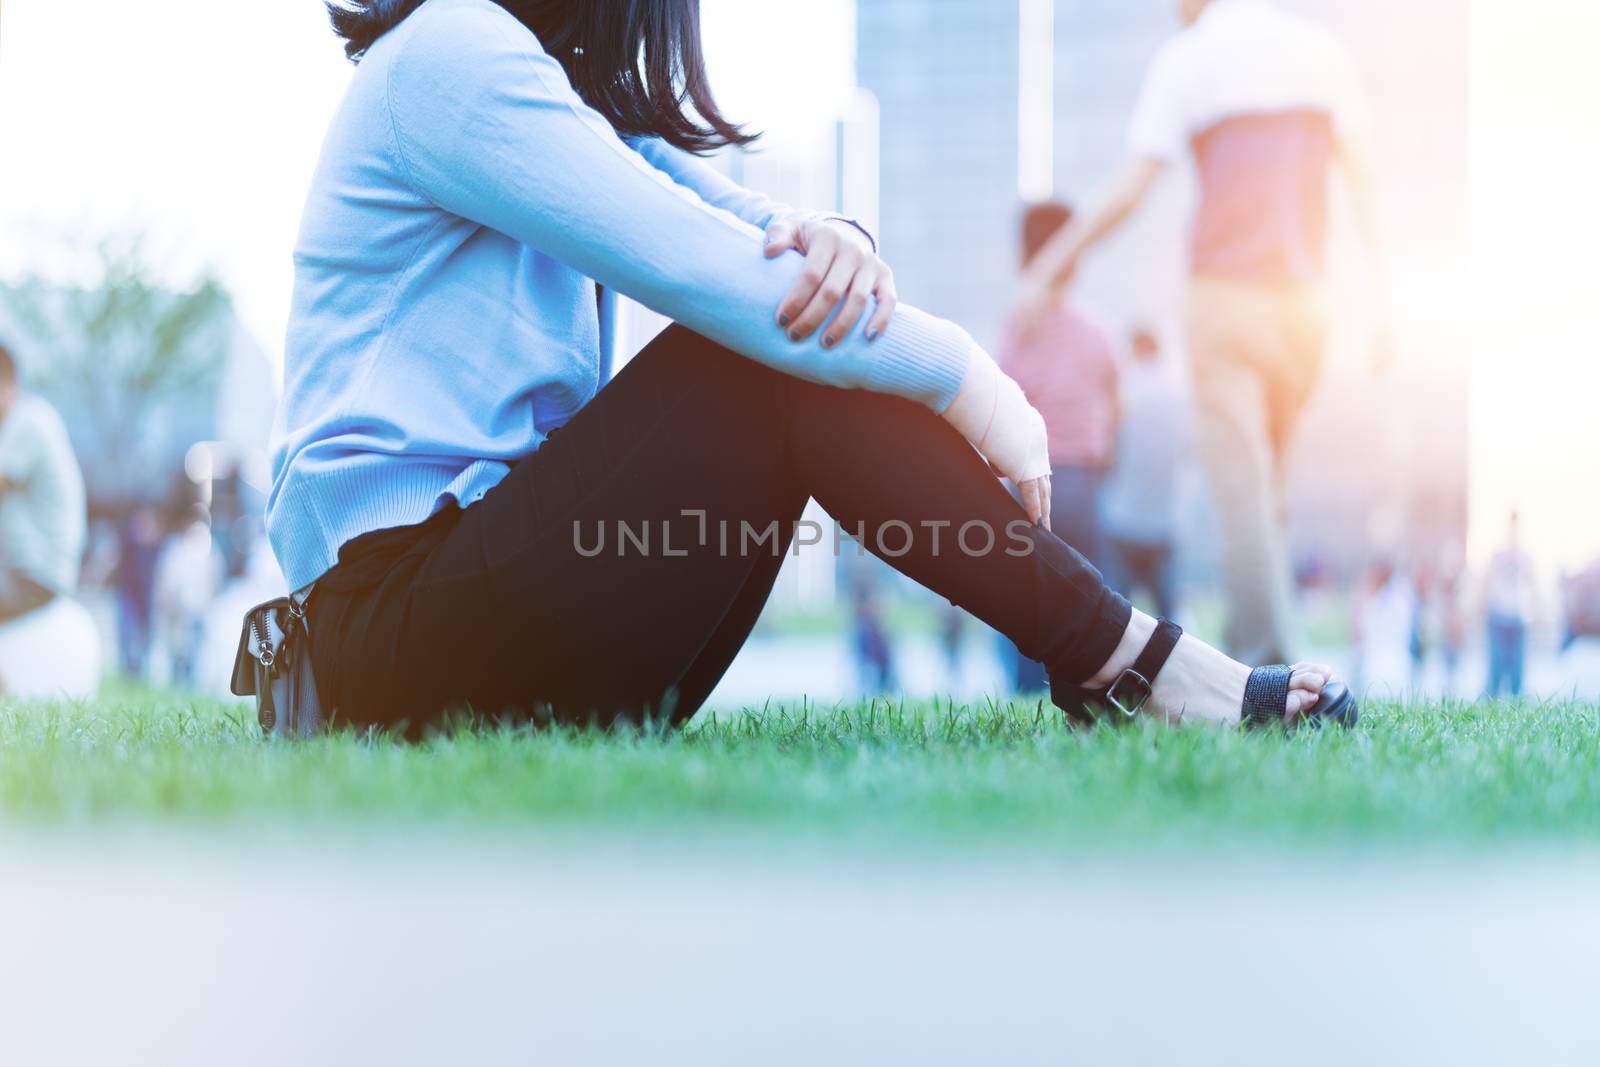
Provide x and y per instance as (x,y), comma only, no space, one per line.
(709,184)
(487,127)
(718,190)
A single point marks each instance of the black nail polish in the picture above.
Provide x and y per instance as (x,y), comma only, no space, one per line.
(794,335)
(827,342)
(783,320)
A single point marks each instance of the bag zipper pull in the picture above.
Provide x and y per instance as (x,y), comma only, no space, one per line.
(268,711)
(263,646)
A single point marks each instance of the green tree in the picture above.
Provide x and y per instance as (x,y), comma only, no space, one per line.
(132,363)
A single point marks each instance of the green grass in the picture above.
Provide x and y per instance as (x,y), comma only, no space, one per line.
(1446,773)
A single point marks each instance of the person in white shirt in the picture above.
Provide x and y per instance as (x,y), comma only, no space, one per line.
(187,578)
(48,643)
(1265,104)
(43,515)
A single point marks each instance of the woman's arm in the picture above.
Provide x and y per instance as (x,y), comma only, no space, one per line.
(487,127)
(710,184)
(842,263)
(718,190)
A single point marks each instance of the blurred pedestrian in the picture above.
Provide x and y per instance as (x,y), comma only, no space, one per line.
(1450,610)
(1581,607)
(43,519)
(1140,512)
(187,577)
(1066,364)
(1264,101)
(869,635)
(1385,628)
(138,544)
(1423,619)
(1452,628)
(952,629)
(1509,595)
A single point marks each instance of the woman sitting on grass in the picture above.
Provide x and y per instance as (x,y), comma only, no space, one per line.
(484,521)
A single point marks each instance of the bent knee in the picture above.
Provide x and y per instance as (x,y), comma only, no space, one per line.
(682,356)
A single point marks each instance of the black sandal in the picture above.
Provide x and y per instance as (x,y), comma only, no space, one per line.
(1264,694)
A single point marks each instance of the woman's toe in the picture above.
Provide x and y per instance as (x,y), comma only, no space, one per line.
(1310,677)
(1297,702)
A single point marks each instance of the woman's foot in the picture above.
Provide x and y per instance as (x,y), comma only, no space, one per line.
(1199,683)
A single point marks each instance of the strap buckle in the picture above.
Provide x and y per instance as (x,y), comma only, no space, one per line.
(1129,693)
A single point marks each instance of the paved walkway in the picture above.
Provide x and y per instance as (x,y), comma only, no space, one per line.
(785,668)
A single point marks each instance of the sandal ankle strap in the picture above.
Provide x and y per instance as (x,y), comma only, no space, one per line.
(1158,649)
(1131,690)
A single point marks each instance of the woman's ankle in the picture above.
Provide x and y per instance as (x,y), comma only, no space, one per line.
(1198,681)
(1134,638)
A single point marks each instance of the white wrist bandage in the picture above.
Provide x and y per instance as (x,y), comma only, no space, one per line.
(991,411)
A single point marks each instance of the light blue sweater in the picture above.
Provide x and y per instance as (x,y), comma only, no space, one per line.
(444,317)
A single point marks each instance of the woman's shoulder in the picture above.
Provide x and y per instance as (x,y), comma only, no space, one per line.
(455,31)
(455,49)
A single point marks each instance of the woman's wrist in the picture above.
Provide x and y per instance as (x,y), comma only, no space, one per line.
(991,411)
(854,224)
(973,409)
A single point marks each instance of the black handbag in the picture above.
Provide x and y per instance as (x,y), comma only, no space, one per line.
(274,666)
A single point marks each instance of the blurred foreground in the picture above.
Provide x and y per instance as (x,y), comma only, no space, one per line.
(868,884)
(159,954)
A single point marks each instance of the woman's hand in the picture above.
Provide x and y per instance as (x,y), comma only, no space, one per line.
(991,411)
(840,266)
(1036,500)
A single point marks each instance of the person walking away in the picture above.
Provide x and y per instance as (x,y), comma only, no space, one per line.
(187,577)
(1140,512)
(1066,364)
(1266,103)
(1508,603)
(43,519)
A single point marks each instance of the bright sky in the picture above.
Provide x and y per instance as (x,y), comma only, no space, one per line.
(1535,161)
(198,124)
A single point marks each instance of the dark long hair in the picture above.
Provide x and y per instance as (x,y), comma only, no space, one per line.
(637,62)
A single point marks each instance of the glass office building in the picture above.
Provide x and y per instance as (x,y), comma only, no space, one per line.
(945,76)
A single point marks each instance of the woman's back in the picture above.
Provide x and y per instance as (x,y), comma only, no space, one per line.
(484,343)
(444,320)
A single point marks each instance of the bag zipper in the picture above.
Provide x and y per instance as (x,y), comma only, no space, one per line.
(263,646)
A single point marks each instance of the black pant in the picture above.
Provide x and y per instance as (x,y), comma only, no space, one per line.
(508,608)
